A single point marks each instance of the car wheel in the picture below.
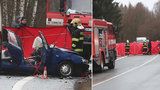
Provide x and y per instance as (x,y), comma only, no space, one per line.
(65,69)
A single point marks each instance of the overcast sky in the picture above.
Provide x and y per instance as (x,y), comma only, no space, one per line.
(147,3)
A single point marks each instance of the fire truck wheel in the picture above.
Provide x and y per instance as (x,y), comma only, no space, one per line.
(102,63)
(102,66)
(65,69)
(111,64)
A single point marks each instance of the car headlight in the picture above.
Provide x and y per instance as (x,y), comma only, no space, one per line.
(84,61)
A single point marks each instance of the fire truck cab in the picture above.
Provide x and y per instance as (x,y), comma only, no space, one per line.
(103,45)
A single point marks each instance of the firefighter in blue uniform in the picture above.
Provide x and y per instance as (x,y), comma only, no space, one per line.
(76,30)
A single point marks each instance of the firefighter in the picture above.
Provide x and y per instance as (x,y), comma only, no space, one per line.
(76,30)
(145,48)
(127,47)
(149,48)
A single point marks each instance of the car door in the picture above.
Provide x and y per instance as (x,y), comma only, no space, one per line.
(44,48)
(13,46)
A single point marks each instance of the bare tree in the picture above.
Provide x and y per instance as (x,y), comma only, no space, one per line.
(40,18)
(33,10)
(139,21)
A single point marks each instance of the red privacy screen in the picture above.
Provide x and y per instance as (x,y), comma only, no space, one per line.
(59,36)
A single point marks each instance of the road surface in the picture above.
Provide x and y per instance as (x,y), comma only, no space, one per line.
(131,73)
(11,82)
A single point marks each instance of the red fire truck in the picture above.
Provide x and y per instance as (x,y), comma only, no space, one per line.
(103,45)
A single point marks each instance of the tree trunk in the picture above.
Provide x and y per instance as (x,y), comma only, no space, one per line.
(40,18)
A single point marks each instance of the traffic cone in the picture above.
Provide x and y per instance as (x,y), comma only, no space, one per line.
(44,76)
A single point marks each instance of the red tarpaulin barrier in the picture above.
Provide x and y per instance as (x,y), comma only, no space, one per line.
(120,47)
(136,48)
(58,36)
(155,49)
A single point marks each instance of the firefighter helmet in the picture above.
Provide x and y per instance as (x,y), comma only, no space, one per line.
(77,23)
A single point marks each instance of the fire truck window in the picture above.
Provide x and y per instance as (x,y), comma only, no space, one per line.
(100,33)
(100,37)
(53,5)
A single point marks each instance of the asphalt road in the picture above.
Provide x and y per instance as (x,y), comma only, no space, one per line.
(18,82)
(11,82)
(131,73)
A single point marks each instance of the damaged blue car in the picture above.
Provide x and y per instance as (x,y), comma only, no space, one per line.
(58,61)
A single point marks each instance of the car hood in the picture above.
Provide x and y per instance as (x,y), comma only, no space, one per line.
(66,50)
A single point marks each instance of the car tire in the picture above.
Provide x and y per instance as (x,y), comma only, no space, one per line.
(65,69)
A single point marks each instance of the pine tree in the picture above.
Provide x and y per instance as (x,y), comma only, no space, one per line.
(108,10)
